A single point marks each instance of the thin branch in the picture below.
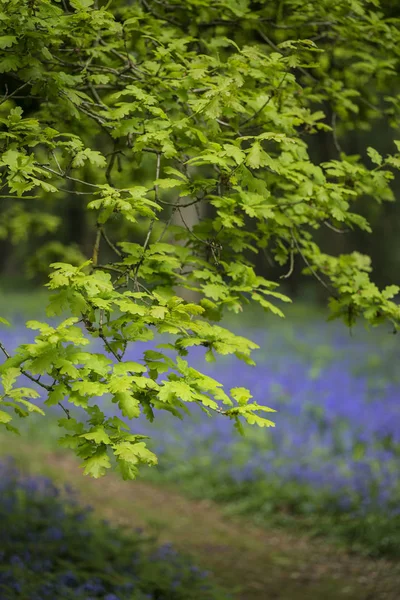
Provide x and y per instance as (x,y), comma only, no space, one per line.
(158,16)
(65,410)
(65,176)
(75,192)
(7,96)
(335,229)
(298,25)
(268,100)
(190,230)
(286,204)
(334,134)
(158,168)
(109,268)
(322,282)
(196,201)
(106,342)
(147,240)
(96,246)
(291,267)
(109,242)
(20,197)
(275,47)
(26,373)
(56,160)
(110,168)
(106,127)
(2,348)
(268,257)
(125,59)
(96,95)
(167,224)
(225,124)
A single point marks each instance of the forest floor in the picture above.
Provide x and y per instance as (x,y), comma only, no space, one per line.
(257,563)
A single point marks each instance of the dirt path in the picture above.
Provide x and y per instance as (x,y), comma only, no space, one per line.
(260,564)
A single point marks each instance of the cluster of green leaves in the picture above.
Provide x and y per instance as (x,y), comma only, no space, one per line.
(143,110)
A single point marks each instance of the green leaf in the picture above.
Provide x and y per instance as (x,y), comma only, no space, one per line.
(4,417)
(97,464)
(374,155)
(89,388)
(97,435)
(9,377)
(92,156)
(82,4)
(236,153)
(168,183)
(134,453)
(130,406)
(241,395)
(129,367)
(6,41)
(254,156)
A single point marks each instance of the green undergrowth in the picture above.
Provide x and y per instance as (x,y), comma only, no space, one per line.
(253,563)
(51,546)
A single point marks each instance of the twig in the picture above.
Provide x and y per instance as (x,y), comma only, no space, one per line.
(109,268)
(224,123)
(335,229)
(7,96)
(96,95)
(190,230)
(19,197)
(65,176)
(147,240)
(334,134)
(158,16)
(96,246)
(56,160)
(322,282)
(275,47)
(26,373)
(106,127)
(110,168)
(75,192)
(2,348)
(106,342)
(196,201)
(125,59)
(268,257)
(109,242)
(167,224)
(288,274)
(65,410)
(268,100)
(158,168)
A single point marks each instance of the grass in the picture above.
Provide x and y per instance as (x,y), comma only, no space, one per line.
(256,563)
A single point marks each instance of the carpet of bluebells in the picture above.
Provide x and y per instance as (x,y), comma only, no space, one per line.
(51,547)
(334,455)
(333,458)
